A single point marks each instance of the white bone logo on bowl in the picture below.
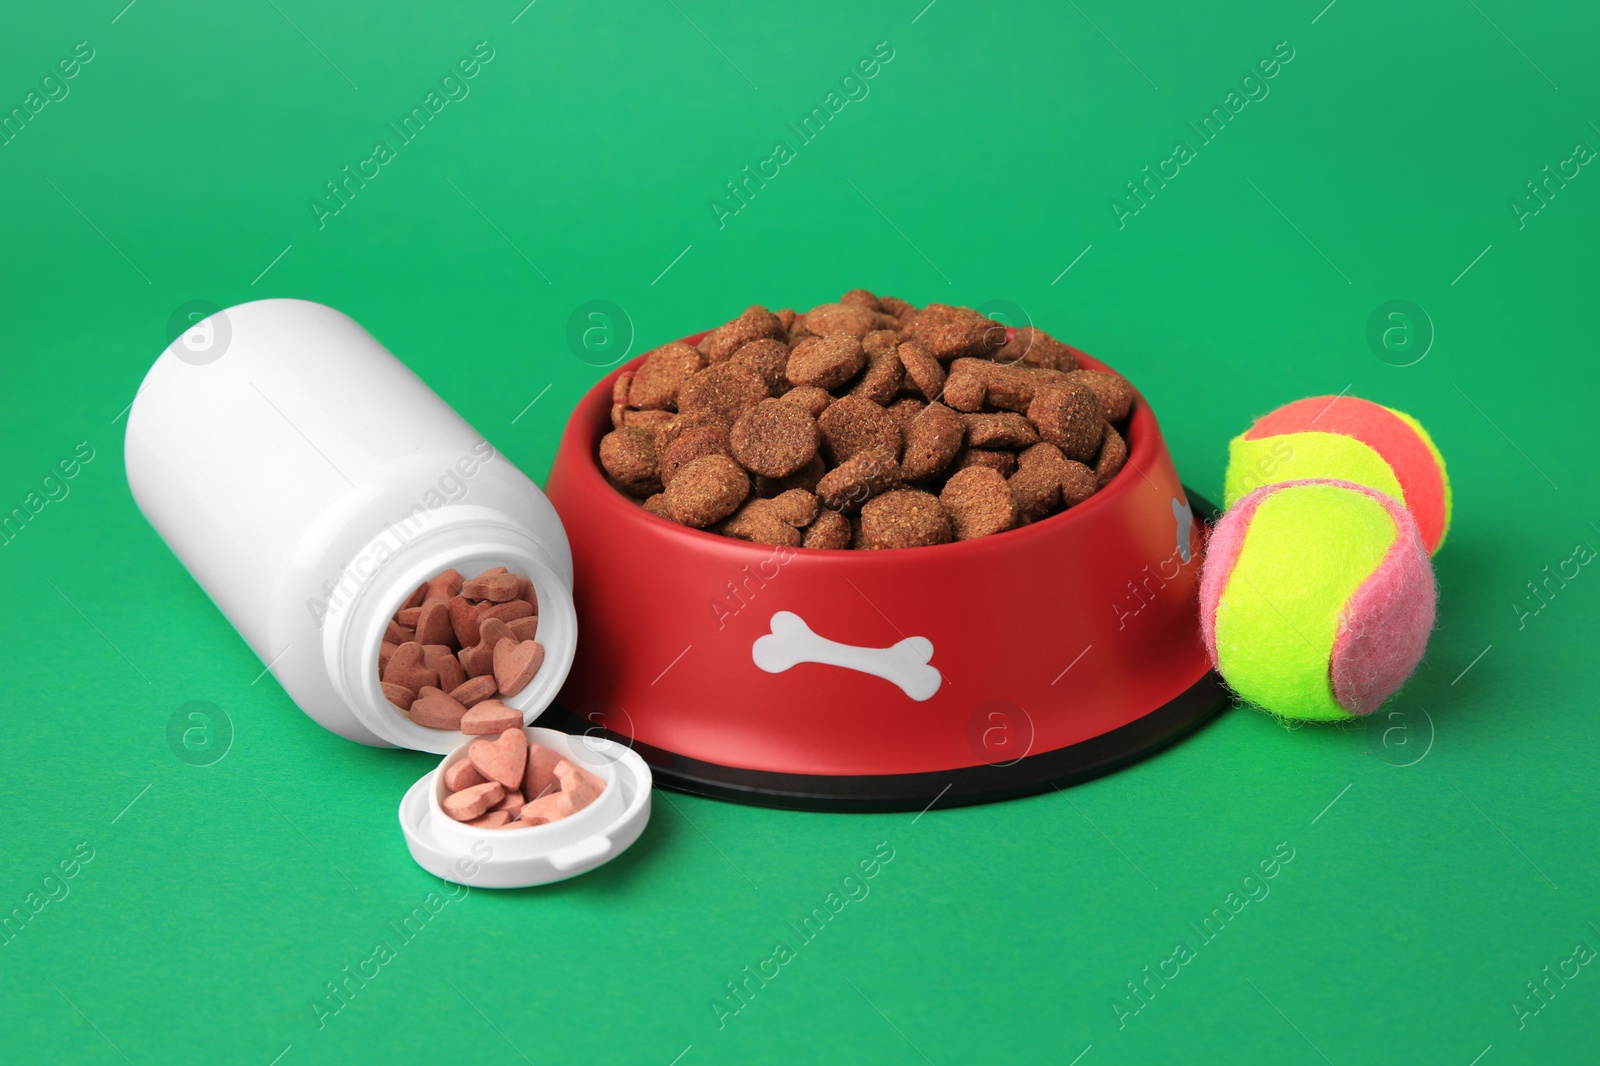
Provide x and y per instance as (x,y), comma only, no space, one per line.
(792,642)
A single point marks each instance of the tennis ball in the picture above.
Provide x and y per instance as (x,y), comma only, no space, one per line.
(1350,439)
(1316,598)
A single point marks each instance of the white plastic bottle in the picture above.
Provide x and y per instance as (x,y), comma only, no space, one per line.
(310,482)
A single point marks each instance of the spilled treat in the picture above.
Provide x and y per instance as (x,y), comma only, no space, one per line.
(457,643)
(867,423)
(505,782)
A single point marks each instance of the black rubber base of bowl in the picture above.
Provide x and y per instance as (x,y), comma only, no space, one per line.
(1071,765)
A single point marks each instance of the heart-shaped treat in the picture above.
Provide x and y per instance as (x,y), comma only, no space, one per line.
(490,718)
(433,624)
(398,695)
(473,692)
(578,785)
(470,803)
(434,709)
(461,774)
(524,628)
(515,663)
(464,620)
(503,759)
(497,587)
(406,668)
(539,779)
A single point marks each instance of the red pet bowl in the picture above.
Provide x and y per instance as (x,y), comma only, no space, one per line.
(886,680)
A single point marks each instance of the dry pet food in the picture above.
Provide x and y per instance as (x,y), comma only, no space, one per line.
(457,643)
(867,423)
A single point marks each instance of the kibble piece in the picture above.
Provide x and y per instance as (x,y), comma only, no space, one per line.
(619,416)
(470,803)
(904,411)
(804,478)
(824,319)
(967,384)
(774,438)
(880,341)
(859,478)
(1004,430)
(882,377)
(852,424)
(831,531)
(1037,491)
(765,358)
(1078,483)
(904,518)
(923,372)
(979,503)
(1002,461)
(758,521)
(649,421)
(754,323)
(504,586)
(861,298)
(691,445)
(398,695)
(785,317)
(827,362)
(490,718)
(1113,454)
(723,391)
(620,387)
(815,400)
(1034,347)
(461,774)
(657,381)
(1012,388)
(515,663)
(657,505)
(475,690)
(1112,390)
(894,305)
(932,440)
(707,490)
(1068,416)
(953,332)
(797,507)
(434,709)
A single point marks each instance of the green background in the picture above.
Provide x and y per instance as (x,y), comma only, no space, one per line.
(1442,857)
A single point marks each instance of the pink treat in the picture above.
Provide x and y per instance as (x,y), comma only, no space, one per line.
(472,802)
(503,759)
(490,718)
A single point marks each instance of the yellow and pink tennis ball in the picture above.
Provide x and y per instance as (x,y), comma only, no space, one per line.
(1351,439)
(1317,598)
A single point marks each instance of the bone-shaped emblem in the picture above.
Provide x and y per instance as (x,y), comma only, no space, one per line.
(792,642)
